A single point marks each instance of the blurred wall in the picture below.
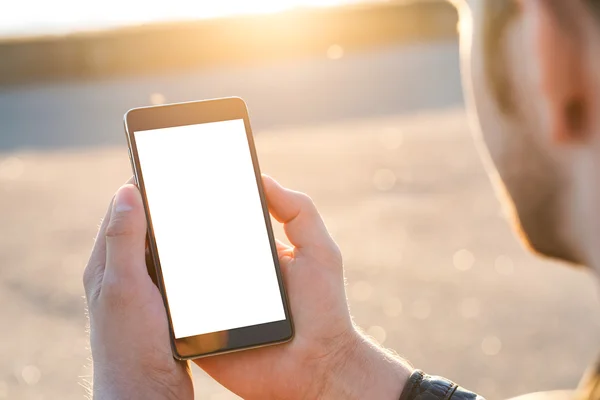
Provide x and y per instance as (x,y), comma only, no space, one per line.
(227,41)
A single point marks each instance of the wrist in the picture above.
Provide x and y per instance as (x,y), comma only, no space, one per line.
(365,370)
(122,383)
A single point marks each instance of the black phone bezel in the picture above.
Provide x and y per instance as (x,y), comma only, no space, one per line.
(192,113)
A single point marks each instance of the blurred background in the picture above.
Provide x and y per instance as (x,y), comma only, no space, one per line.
(358,104)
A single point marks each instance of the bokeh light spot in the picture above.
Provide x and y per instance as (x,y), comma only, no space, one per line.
(31,375)
(491,346)
(335,52)
(157,99)
(463,260)
(384,180)
(377,333)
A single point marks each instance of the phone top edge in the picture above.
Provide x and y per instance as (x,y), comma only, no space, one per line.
(184,113)
(182,103)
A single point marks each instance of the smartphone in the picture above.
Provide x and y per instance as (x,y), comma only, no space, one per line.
(209,232)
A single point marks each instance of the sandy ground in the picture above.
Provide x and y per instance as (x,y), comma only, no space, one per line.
(433,269)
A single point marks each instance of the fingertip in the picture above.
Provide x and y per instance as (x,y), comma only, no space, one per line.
(127,198)
(127,216)
(269,183)
(275,194)
(131,188)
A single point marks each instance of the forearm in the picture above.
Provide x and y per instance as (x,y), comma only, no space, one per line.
(367,372)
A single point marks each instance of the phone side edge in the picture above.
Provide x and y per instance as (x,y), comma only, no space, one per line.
(150,234)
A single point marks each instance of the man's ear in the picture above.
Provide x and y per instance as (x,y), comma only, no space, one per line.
(557,39)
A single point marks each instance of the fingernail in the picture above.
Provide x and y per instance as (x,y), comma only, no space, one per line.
(123,200)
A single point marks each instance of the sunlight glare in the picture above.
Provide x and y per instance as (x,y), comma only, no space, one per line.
(60,16)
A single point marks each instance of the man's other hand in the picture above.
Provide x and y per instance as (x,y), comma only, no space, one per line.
(129,330)
(328,358)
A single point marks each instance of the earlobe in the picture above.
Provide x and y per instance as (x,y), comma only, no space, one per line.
(557,46)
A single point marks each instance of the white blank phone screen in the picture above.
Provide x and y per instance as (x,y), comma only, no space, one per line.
(209,227)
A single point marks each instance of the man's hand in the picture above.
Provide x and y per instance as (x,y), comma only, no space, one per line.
(328,358)
(129,330)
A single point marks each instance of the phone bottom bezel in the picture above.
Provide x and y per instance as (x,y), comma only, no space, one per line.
(234,340)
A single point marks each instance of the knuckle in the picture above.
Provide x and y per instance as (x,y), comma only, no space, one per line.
(307,204)
(118,226)
(305,200)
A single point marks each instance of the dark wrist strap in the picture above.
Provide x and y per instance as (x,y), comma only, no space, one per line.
(421,386)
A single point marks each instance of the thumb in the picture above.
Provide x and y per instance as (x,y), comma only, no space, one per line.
(126,237)
(301,220)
